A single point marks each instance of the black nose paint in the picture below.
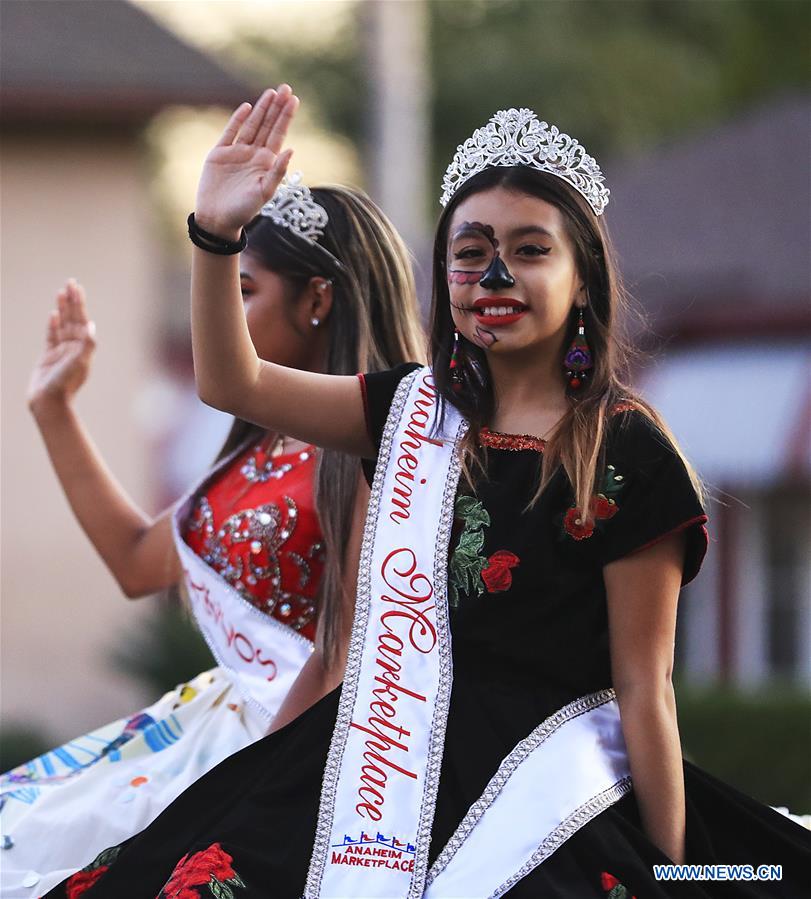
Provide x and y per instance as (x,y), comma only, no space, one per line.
(497,275)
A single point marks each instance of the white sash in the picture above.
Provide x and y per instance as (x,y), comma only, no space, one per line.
(568,770)
(263,655)
(380,783)
(382,774)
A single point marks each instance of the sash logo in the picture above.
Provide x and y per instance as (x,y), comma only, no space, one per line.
(374,852)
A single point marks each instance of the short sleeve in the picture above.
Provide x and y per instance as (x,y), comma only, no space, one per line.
(378,389)
(652,493)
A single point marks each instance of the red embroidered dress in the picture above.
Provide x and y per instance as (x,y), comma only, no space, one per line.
(256,525)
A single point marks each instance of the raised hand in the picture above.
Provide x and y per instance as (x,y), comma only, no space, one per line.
(69,346)
(244,168)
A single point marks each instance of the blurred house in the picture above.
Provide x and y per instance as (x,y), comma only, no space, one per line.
(80,80)
(714,235)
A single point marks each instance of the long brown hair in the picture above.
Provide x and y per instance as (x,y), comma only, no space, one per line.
(578,442)
(373,325)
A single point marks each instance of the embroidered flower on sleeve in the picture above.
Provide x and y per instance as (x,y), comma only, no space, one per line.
(614,888)
(210,867)
(82,880)
(603,507)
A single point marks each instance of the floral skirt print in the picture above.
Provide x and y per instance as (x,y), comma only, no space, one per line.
(208,870)
(246,832)
(109,784)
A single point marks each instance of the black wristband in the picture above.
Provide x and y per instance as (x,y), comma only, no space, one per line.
(213,244)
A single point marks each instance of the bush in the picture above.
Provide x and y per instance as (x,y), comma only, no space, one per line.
(168,650)
(759,742)
(20,743)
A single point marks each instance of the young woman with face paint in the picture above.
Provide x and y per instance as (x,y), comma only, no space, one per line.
(274,532)
(506,723)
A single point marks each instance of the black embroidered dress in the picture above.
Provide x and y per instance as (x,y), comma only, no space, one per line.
(530,634)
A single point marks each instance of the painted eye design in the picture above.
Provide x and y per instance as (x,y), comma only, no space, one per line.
(468,253)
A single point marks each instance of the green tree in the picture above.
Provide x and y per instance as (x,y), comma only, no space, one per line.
(620,74)
(166,650)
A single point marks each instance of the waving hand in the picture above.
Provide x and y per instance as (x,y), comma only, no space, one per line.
(244,168)
(239,175)
(70,343)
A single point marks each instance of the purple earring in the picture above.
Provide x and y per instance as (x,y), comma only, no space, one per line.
(578,362)
(455,368)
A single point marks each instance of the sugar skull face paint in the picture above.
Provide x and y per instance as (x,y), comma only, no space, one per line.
(486,337)
(512,277)
(497,275)
(457,277)
(475,258)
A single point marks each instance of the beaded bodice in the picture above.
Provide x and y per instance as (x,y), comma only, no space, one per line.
(256,525)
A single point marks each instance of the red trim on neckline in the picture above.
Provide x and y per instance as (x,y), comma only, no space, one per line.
(503,440)
(515,442)
(624,406)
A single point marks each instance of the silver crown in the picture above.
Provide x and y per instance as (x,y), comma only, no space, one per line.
(518,137)
(293,207)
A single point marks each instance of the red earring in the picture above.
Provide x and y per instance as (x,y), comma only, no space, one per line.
(578,362)
(455,368)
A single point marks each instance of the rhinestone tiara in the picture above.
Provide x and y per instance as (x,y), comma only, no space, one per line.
(293,207)
(518,137)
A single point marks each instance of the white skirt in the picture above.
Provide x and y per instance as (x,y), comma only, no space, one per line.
(59,811)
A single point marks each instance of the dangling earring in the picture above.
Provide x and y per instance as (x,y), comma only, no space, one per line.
(577,362)
(455,368)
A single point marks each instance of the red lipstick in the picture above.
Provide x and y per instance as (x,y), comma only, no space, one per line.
(505,310)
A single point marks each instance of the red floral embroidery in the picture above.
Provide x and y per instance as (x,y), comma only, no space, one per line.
(82,881)
(575,525)
(601,509)
(497,576)
(614,888)
(212,864)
